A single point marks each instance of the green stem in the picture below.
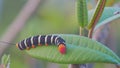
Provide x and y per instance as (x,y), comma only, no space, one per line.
(83,32)
(96,16)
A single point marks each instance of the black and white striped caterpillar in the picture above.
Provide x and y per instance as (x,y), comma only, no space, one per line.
(39,40)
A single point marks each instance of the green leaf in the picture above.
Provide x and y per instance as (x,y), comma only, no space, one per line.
(111,19)
(82,13)
(79,50)
(88,43)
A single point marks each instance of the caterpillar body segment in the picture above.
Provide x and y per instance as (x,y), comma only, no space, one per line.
(40,40)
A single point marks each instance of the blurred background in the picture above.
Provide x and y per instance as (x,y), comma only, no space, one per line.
(20,19)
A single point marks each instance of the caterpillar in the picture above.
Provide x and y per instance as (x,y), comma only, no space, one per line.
(39,40)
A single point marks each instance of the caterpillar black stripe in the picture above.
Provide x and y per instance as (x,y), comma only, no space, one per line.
(39,40)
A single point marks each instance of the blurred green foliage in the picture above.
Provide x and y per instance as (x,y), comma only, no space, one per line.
(5,60)
(10,10)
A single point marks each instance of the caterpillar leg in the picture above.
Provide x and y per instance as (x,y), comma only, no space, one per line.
(62,48)
(28,48)
(46,44)
(39,44)
(33,46)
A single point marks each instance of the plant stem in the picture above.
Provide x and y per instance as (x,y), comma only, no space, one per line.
(93,21)
(82,16)
(83,32)
(90,32)
(96,16)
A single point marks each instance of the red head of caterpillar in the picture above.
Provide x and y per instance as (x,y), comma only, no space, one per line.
(33,41)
